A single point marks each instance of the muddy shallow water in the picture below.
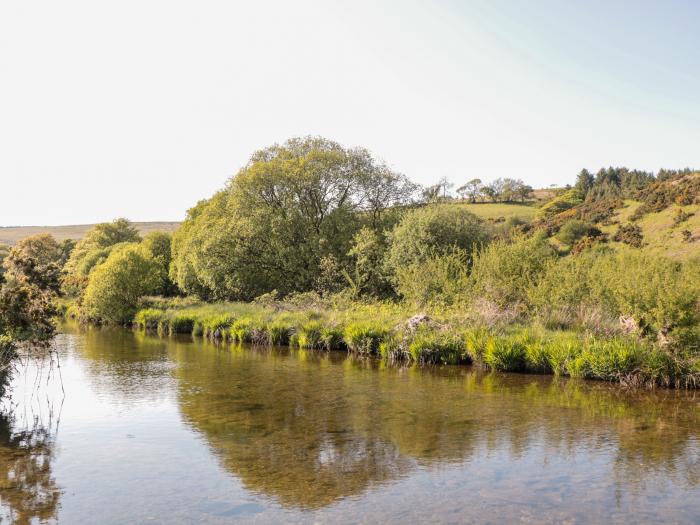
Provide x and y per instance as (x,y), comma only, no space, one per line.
(158,430)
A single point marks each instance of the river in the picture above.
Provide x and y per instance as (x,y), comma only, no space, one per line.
(141,429)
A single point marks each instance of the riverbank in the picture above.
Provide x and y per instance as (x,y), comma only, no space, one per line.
(395,333)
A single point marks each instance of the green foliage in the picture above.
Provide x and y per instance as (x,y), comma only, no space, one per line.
(240,331)
(437,347)
(432,231)
(679,188)
(149,318)
(115,287)
(278,333)
(660,294)
(28,289)
(610,360)
(561,203)
(309,334)
(506,354)
(367,254)
(181,323)
(364,337)
(36,260)
(475,342)
(504,271)
(93,250)
(289,208)
(332,338)
(575,230)
(158,246)
(437,280)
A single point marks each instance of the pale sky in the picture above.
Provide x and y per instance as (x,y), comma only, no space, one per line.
(139,108)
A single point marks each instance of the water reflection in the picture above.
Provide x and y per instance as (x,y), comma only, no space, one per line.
(309,429)
(274,435)
(28,491)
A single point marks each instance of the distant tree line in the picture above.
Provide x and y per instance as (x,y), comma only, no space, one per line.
(475,190)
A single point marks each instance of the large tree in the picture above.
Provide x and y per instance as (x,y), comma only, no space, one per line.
(292,206)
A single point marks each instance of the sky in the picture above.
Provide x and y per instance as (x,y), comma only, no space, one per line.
(140,108)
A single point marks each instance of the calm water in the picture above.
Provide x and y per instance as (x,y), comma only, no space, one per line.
(168,431)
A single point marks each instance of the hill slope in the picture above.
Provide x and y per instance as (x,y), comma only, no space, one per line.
(10,235)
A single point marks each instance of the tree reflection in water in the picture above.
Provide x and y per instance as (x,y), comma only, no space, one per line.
(308,429)
(28,491)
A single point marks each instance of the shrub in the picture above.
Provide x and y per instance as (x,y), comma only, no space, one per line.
(629,234)
(440,279)
(198,328)
(504,271)
(432,231)
(561,351)
(559,204)
(575,230)
(609,360)
(681,216)
(392,348)
(537,356)
(115,287)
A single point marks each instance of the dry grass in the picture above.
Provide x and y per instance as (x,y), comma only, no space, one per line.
(11,234)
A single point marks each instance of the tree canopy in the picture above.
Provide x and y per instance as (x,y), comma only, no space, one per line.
(292,206)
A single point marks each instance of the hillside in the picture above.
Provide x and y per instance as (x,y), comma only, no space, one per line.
(498,210)
(659,214)
(661,231)
(10,235)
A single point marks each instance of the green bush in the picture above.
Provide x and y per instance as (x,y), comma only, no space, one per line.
(217,325)
(116,286)
(432,231)
(438,280)
(504,272)
(537,356)
(575,230)
(561,352)
(610,360)
(392,348)
(559,204)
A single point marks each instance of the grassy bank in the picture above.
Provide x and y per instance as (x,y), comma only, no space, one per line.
(394,333)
